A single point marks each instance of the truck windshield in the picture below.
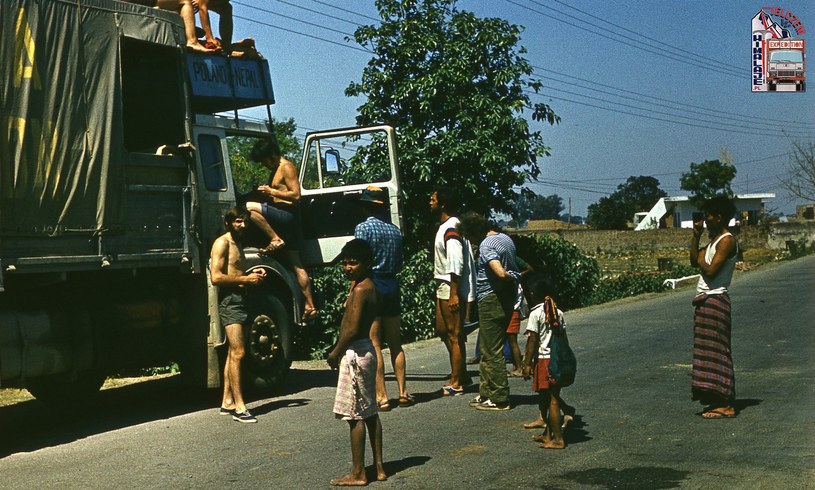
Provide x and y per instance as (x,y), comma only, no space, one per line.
(786,57)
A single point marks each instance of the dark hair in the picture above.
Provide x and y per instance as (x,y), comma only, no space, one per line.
(357,249)
(538,286)
(234,213)
(720,205)
(450,201)
(474,227)
(265,148)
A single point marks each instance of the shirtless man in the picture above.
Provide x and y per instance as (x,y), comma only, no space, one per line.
(355,357)
(226,271)
(278,217)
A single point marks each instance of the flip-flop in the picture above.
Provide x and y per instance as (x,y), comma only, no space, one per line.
(309,314)
(715,414)
(384,406)
(406,401)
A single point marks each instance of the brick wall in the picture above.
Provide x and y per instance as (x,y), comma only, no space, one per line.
(765,236)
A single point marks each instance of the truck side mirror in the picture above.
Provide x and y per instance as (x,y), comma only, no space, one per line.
(331,161)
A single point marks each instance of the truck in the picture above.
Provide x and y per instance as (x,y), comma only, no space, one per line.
(786,64)
(117,149)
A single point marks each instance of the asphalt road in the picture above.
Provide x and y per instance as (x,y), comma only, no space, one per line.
(636,425)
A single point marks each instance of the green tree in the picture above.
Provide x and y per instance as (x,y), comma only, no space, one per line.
(707,179)
(613,212)
(455,87)
(248,174)
(801,167)
(533,206)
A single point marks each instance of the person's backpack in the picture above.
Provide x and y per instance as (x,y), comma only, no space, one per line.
(562,362)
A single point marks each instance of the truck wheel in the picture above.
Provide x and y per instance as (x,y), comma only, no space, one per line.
(66,389)
(268,347)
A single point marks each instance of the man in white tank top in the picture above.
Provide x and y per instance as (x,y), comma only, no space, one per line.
(713,381)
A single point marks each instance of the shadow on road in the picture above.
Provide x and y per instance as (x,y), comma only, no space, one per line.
(392,468)
(32,425)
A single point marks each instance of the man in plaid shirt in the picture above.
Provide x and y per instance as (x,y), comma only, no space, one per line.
(386,241)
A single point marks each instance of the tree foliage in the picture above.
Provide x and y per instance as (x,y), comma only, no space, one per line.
(247,174)
(708,179)
(533,206)
(613,212)
(801,167)
(455,87)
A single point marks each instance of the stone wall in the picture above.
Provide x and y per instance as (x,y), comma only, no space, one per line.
(772,236)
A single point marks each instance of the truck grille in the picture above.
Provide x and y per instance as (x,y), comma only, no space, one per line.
(785,73)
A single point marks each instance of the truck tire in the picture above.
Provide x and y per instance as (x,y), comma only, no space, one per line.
(268,346)
(66,389)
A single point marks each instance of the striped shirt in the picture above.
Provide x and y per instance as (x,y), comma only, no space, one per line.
(385,240)
(494,247)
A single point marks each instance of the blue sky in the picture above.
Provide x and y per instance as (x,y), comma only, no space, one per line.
(642,88)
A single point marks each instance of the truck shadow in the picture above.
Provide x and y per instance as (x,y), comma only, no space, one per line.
(32,425)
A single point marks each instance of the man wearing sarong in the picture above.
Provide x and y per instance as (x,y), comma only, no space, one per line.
(713,382)
(355,357)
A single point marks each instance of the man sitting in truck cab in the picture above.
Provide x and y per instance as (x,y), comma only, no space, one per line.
(279,215)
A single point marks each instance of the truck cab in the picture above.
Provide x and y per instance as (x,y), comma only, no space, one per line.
(116,172)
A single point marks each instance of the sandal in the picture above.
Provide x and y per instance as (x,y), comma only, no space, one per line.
(384,406)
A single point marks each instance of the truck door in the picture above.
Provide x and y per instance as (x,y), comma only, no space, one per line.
(337,165)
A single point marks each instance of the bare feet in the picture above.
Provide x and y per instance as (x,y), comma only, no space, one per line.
(552,444)
(380,474)
(309,314)
(273,246)
(198,48)
(517,373)
(349,480)
(537,424)
(541,437)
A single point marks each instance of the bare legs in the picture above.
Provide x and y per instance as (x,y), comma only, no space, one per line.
(186,11)
(224,10)
(552,438)
(448,327)
(357,475)
(309,310)
(517,368)
(256,216)
(233,398)
(388,328)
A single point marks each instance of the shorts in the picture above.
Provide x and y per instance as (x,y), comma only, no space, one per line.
(541,380)
(232,307)
(514,323)
(389,295)
(284,220)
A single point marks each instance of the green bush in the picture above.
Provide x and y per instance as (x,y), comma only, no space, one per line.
(634,283)
(575,274)
(416,280)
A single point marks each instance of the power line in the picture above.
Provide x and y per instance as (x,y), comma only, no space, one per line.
(681,104)
(296,19)
(347,11)
(627,43)
(313,11)
(647,116)
(682,51)
(318,38)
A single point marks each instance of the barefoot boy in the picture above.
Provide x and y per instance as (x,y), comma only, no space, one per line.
(355,357)
(544,318)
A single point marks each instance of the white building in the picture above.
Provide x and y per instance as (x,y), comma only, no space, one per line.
(678,212)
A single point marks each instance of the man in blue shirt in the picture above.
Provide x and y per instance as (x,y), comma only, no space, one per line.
(386,241)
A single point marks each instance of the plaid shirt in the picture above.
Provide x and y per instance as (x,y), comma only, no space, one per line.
(385,240)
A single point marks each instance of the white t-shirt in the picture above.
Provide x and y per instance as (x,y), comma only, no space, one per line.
(719,283)
(452,254)
(537,323)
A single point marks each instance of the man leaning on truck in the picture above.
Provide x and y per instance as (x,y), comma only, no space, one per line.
(227,262)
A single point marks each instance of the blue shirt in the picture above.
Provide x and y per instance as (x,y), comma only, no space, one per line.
(494,247)
(385,240)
